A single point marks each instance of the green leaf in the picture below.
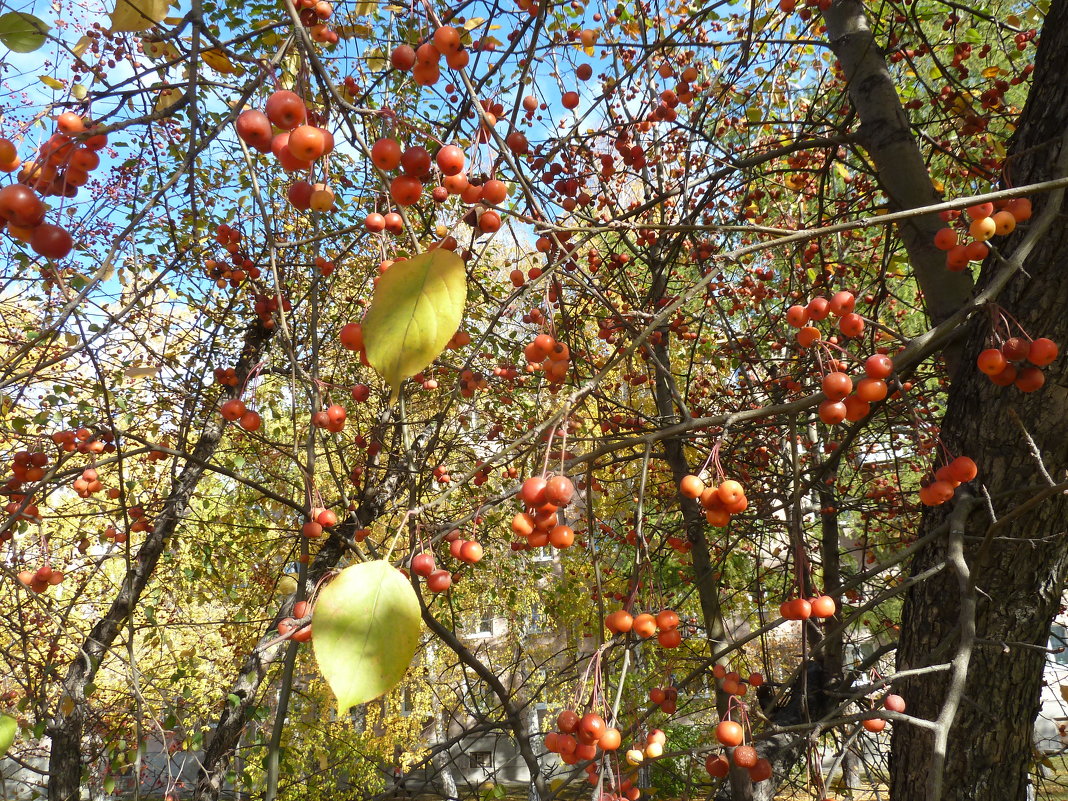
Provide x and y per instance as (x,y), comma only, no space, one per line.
(8,727)
(21,32)
(365,628)
(417,307)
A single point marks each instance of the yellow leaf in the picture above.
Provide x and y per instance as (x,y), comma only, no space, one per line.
(364,7)
(992,72)
(51,83)
(417,307)
(82,44)
(78,91)
(138,15)
(367,627)
(219,62)
(167,98)
(358,31)
(473,23)
(140,372)
(1064,691)
(159,50)
(376,59)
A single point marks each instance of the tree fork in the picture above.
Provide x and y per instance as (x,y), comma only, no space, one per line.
(66,727)
(253,672)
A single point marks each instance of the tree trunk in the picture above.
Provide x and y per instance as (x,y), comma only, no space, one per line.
(1019,569)
(66,728)
(851,760)
(442,760)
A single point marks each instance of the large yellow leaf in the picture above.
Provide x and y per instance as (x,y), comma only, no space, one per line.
(138,15)
(218,61)
(365,626)
(417,307)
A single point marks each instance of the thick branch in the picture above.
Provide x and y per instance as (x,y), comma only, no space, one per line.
(884,132)
(268,649)
(64,767)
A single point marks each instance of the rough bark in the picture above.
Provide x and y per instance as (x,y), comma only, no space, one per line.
(1019,442)
(67,726)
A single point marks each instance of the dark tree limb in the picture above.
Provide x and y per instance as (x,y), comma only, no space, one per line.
(253,672)
(67,725)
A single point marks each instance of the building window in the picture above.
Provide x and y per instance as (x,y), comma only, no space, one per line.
(1058,639)
(536,620)
(480,760)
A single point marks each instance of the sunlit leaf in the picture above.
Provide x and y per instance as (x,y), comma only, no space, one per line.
(140,372)
(219,62)
(365,628)
(160,50)
(167,98)
(21,32)
(50,82)
(417,307)
(356,31)
(8,728)
(138,15)
(375,58)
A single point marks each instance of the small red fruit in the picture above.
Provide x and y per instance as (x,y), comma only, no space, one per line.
(644,625)
(423,564)
(559,490)
(991,361)
(729,733)
(895,703)
(1042,352)
(232,410)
